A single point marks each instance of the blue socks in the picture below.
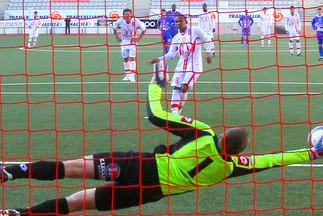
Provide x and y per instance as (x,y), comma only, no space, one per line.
(321,51)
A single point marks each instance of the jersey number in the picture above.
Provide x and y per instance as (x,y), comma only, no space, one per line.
(200,167)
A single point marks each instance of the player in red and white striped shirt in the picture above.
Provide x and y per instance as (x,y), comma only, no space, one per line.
(129,25)
(188,46)
(34,25)
(265,23)
(293,28)
(207,24)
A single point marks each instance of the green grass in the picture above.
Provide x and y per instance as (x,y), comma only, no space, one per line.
(91,111)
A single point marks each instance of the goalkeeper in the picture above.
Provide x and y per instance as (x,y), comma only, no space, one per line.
(198,159)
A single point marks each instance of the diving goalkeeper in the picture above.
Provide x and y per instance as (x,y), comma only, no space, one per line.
(198,159)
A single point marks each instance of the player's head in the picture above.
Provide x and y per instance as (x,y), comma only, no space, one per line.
(319,11)
(204,6)
(292,9)
(163,12)
(127,14)
(181,22)
(35,14)
(173,7)
(234,141)
(264,9)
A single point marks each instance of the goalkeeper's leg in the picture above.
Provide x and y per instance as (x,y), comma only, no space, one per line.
(160,76)
(76,202)
(50,170)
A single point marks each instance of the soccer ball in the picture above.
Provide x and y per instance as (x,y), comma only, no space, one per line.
(315,135)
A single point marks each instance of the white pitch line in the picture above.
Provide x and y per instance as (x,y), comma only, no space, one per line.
(291,165)
(144,93)
(150,51)
(147,82)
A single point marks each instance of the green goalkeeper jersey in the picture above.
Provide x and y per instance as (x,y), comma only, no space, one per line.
(194,161)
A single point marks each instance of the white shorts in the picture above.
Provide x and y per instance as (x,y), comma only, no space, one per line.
(178,78)
(293,36)
(128,51)
(265,31)
(33,33)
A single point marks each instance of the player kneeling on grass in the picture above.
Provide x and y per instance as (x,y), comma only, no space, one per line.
(188,46)
(138,178)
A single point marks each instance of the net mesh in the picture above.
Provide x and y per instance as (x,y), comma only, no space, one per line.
(63,100)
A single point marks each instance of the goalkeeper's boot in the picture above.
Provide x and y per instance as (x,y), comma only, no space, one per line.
(317,150)
(4,175)
(9,212)
(161,76)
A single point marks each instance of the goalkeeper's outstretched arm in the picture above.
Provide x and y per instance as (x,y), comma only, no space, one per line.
(174,123)
(255,163)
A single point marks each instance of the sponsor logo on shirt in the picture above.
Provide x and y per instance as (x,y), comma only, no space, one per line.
(187,120)
(102,170)
(244,161)
(113,171)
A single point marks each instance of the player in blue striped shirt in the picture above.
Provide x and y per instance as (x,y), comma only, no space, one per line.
(317,25)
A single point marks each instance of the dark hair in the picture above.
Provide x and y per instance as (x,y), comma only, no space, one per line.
(127,10)
(35,12)
(181,15)
(292,6)
(163,10)
(319,9)
(264,8)
(235,141)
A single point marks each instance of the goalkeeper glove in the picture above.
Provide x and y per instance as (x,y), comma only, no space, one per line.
(317,150)
(160,77)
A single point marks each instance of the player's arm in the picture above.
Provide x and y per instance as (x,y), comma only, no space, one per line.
(200,21)
(299,26)
(255,163)
(213,24)
(171,54)
(314,24)
(260,21)
(143,28)
(240,22)
(286,24)
(159,23)
(207,44)
(115,32)
(251,21)
(174,123)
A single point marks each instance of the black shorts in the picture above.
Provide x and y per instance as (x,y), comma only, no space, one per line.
(135,179)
